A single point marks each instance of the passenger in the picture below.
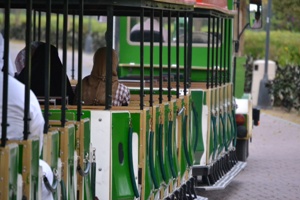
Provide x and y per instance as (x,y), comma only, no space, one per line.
(134,32)
(15,115)
(11,67)
(20,59)
(38,71)
(93,86)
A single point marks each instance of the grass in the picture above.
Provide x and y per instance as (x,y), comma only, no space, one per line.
(284,46)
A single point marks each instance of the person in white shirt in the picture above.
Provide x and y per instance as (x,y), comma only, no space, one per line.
(11,66)
(15,115)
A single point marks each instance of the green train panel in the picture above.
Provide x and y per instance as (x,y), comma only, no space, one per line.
(29,167)
(9,172)
(51,153)
(83,145)
(156,147)
(68,157)
(117,161)
(82,155)
(197,100)
(140,125)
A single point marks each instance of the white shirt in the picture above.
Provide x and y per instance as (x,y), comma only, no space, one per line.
(15,112)
(11,66)
(15,115)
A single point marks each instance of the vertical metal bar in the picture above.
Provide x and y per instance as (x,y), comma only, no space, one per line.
(228,58)
(73,48)
(225,50)
(213,52)
(64,71)
(79,85)
(28,66)
(264,100)
(39,26)
(169,56)
(5,73)
(217,52)
(142,59)
(57,29)
(47,65)
(161,36)
(109,32)
(185,53)
(177,56)
(151,57)
(221,75)
(208,54)
(221,53)
(190,48)
(268,23)
(34,25)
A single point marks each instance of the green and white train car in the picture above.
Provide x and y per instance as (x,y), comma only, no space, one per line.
(177,136)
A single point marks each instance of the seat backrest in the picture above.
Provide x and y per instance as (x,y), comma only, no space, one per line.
(135,36)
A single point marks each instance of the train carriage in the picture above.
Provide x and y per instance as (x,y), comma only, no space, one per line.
(177,136)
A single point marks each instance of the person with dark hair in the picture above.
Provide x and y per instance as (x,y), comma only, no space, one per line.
(93,86)
(38,71)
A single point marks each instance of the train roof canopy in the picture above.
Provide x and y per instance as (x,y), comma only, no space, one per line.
(99,7)
(213,7)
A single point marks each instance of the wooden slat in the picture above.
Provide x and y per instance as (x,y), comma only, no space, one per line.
(6,170)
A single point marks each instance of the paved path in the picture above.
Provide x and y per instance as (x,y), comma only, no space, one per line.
(273,170)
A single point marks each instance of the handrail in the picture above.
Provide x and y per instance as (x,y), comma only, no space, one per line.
(93,174)
(215,134)
(170,149)
(160,152)
(235,129)
(63,190)
(224,132)
(87,168)
(196,124)
(52,188)
(185,148)
(151,162)
(232,126)
(131,171)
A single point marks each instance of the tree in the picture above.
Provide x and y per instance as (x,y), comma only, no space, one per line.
(286,15)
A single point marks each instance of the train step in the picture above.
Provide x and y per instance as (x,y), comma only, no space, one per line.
(224,180)
(201,198)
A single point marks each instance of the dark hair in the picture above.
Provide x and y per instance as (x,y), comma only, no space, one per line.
(38,73)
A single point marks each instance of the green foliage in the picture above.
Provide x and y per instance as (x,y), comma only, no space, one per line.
(284,89)
(248,74)
(90,26)
(286,15)
(284,46)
